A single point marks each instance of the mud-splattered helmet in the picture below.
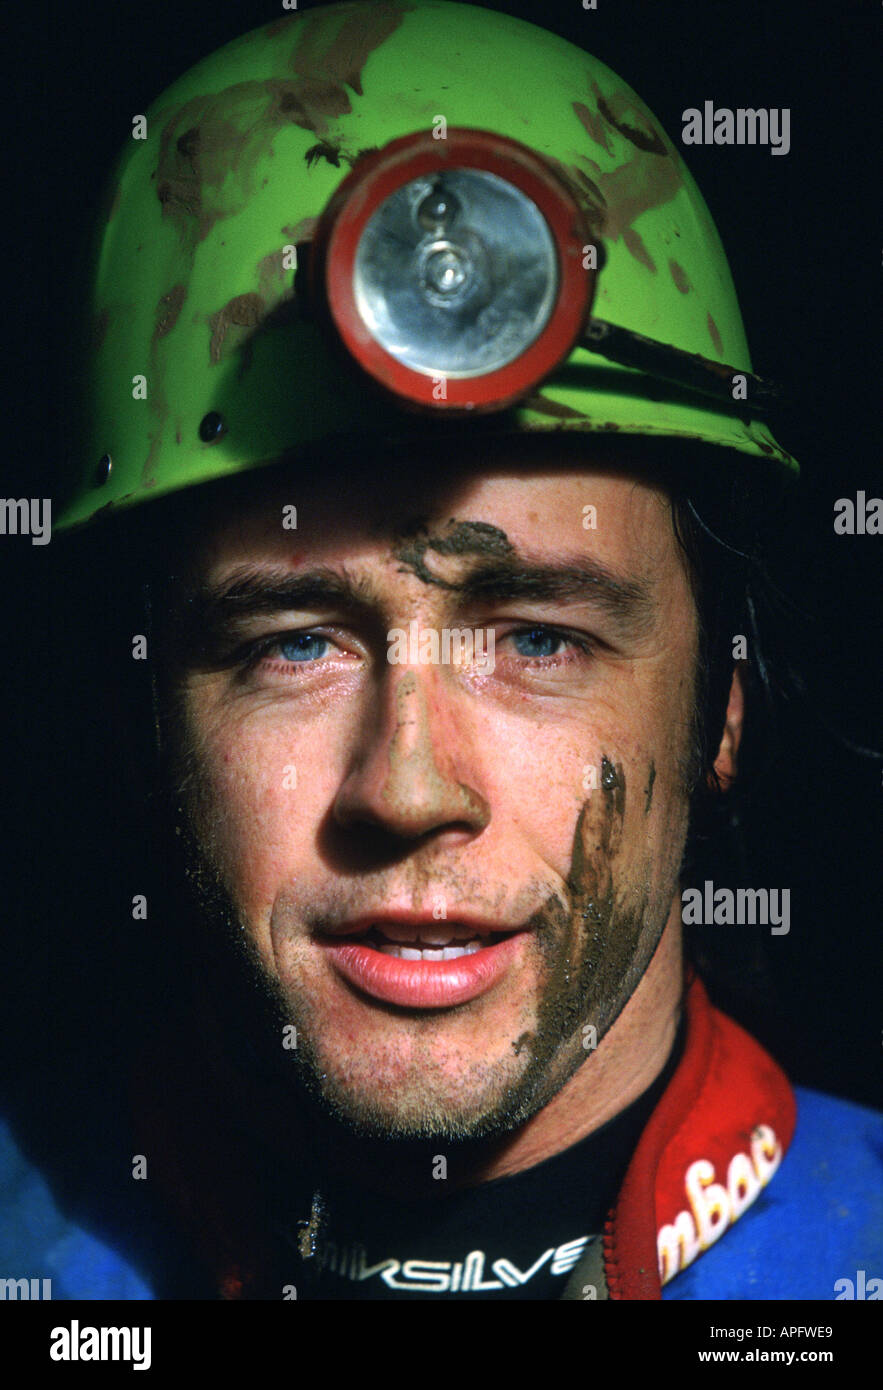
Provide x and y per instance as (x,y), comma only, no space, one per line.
(362,219)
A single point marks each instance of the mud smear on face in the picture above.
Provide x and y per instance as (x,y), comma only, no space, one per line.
(595,948)
(461,539)
(593,940)
(648,794)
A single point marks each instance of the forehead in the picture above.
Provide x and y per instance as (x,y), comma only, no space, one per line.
(540,506)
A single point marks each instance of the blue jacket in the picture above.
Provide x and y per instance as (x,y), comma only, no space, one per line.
(817,1224)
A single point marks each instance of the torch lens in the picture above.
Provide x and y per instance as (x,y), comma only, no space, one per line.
(456,273)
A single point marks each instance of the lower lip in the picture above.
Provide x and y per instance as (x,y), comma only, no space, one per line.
(422,984)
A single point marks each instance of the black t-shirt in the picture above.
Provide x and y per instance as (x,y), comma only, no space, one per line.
(516,1237)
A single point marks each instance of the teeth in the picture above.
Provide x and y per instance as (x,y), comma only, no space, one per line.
(394,948)
(428,933)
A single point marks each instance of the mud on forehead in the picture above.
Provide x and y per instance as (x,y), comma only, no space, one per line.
(416,498)
(331,502)
(417,545)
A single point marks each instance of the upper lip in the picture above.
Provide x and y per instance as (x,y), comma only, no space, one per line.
(357,926)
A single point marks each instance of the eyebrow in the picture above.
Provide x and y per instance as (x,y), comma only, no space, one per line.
(255,590)
(627,601)
(213,611)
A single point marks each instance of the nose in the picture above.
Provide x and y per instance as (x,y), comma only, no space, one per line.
(403,779)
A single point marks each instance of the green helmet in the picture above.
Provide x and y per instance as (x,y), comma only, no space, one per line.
(207,349)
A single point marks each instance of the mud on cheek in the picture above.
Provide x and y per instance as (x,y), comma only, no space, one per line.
(596,950)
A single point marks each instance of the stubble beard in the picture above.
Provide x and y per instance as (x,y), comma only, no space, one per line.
(592,951)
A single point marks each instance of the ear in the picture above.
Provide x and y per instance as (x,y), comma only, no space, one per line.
(726,763)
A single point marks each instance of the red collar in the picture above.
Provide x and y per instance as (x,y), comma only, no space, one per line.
(714,1140)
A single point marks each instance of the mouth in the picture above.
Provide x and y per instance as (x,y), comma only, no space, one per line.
(422,964)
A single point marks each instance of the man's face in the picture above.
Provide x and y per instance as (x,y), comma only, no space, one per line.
(348,805)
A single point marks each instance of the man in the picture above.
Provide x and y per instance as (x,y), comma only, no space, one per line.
(441,674)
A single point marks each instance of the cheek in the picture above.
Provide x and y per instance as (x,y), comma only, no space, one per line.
(656,822)
(531,775)
(253,805)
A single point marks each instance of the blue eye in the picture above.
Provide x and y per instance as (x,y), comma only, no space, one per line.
(305,646)
(537,642)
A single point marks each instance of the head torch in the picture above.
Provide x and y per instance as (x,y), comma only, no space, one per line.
(460,272)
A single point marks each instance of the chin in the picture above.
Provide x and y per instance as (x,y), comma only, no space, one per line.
(386,1099)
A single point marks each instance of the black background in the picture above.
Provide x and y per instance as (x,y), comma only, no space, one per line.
(802,236)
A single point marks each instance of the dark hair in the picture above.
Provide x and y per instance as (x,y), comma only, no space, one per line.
(727,521)
(725,526)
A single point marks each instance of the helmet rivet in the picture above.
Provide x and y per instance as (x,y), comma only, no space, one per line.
(212,427)
(102,472)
